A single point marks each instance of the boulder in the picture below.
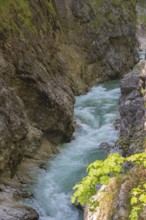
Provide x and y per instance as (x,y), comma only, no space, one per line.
(18,212)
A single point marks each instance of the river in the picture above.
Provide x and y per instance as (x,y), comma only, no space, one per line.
(95,113)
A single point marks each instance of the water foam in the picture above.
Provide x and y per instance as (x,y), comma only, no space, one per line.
(94,113)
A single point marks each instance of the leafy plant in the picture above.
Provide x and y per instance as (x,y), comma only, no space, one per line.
(142,91)
(51,7)
(116,2)
(101,172)
(138,200)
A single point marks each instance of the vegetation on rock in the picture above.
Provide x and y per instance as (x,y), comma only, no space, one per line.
(101,172)
(138,200)
(10,9)
(142,16)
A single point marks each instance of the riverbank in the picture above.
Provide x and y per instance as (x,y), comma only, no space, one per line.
(94,114)
(12,190)
(132,106)
(114,200)
(97,114)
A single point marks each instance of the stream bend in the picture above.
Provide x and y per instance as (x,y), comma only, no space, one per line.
(95,113)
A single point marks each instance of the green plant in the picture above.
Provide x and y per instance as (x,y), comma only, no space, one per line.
(13,13)
(51,7)
(112,19)
(142,18)
(117,2)
(138,200)
(143,91)
(142,3)
(101,172)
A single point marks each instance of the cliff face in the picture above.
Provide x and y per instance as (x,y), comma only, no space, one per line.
(50,51)
(115,198)
(100,40)
(132,140)
(132,111)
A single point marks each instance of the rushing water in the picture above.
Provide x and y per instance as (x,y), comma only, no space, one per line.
(94,113)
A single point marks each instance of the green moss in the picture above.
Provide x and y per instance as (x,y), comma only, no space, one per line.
(142,18)
(143,91)
(51,7)
(138,67)
(138,200)
(117,2)
(109,18)
(142,3)
(99,18)
(16,16)
(112,19)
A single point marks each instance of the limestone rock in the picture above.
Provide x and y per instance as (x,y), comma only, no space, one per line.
(130,82)
(13,128)
(132,111)
(10,209)
(17,213)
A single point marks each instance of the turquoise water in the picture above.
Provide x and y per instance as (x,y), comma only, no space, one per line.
(95,113)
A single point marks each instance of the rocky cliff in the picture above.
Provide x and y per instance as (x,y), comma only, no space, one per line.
(50,51)
(132,111)
(114,202)
(114,198)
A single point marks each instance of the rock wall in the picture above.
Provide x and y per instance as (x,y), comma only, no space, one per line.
(114,198)
(132,110)
(104,47)
(49,52)
(114,201)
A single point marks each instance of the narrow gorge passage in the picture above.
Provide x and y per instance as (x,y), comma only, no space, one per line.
(95,113)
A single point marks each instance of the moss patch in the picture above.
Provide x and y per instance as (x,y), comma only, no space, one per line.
(18,10)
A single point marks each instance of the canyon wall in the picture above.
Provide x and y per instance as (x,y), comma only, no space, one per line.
(115,199)
(114,202)
(49,52)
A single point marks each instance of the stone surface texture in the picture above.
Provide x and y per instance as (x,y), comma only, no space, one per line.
(132,110)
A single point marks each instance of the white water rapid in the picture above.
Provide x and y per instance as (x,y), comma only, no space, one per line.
(95,113)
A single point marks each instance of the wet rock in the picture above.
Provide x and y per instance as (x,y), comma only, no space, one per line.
(115,149)
(116,124)
(10,209)
(17,213)
(132,112)
(105,146)
(130,82)
(43,166)
(79,206)
(22,194)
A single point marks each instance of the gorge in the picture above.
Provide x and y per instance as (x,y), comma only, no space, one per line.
(50,52)
(95,113)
